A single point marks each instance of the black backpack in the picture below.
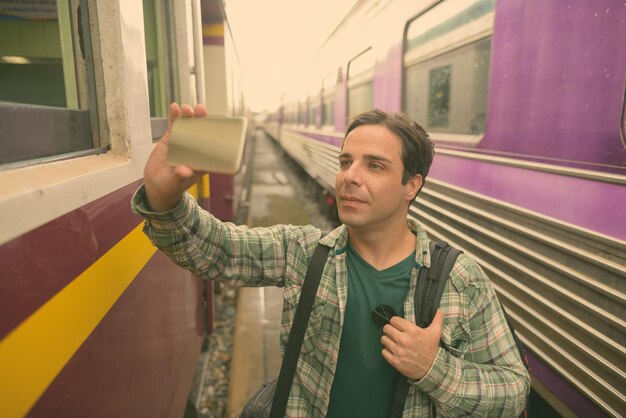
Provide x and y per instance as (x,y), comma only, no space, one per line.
(430,284)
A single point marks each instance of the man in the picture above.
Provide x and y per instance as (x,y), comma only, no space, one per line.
(465,362)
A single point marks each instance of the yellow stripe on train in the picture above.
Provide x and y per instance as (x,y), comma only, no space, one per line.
(33,354)
(213,29)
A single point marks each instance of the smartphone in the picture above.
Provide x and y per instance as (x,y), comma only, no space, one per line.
(210,143)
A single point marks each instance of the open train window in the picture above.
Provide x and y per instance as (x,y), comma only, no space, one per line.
(159,68)
(328,99)
(44,82)
(446,69)
(360,74)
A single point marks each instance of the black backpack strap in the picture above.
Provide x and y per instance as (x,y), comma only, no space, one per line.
(431,281)
(428,290)
(298,327)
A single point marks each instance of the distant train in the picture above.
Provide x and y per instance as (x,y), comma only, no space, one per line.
(94,322)
(525,102)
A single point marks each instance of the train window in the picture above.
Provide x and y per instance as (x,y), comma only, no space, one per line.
(312,107)
(360,73)
(31,69)
(293,111)
(328,100)
(159,67)
(42,103)
(328,109)
(446,69)
(157,33)
(288,113)
(302,111)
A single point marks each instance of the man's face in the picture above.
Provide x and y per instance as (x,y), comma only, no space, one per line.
(368,186)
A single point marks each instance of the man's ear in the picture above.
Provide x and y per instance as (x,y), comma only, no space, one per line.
(414,185)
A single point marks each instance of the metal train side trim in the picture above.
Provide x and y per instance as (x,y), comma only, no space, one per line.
(550,275)
(530,165)
(325,130)
(317,158)
(548,168)
(92,294)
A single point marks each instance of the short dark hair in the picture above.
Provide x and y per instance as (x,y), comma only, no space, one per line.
(417,148)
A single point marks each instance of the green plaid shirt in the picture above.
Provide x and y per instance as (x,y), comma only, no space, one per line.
(479,373)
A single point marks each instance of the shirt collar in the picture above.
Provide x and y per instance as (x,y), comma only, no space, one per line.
(338,240)
(422,252)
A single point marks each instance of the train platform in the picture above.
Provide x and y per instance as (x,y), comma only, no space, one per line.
(272,192)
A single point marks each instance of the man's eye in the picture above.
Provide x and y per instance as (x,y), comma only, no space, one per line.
(344,163)
(376,167)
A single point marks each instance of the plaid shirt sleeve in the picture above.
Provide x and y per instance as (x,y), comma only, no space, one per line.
(479,373)
(194,239)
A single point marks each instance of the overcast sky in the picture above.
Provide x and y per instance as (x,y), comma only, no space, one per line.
(273,36)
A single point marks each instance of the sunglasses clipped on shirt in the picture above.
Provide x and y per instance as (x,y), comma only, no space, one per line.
(382,314)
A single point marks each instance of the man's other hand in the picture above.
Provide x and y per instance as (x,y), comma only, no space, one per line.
(411,350)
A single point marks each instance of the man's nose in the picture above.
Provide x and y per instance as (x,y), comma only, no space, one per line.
(352,174)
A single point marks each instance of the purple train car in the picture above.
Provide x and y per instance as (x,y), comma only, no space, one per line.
(525,102)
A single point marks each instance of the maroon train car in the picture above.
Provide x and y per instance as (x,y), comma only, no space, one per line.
(94,322)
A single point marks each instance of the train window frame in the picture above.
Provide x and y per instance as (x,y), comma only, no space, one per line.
(460,39)
(286,112)
(294,113)
(43,190)
(329,86)
(289,113)
(359,74)
(158,42)
(311,105)
(67,131)
(302,113)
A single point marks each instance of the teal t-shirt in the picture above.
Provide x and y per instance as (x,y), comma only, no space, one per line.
(364,382)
